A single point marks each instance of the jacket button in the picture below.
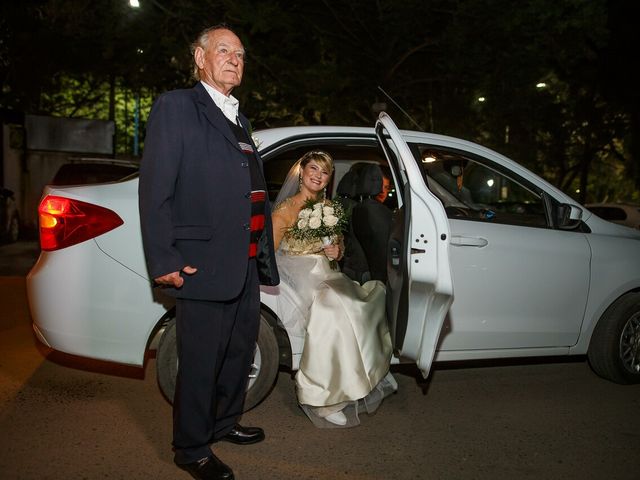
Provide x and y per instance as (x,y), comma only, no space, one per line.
(247,195)
(244,164)
(247,226)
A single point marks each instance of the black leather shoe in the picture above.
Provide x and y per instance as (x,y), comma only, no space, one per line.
(244,435)
(208,468)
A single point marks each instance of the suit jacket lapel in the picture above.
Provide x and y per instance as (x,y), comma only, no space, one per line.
(213,114)
(244,122)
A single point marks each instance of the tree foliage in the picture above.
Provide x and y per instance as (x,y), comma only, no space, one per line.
(323,62)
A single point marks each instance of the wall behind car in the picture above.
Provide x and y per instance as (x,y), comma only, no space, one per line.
(34,147)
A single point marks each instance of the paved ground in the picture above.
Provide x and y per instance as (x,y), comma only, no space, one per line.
(63,417)
(18,258)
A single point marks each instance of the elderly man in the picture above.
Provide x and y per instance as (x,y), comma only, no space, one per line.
(206,228)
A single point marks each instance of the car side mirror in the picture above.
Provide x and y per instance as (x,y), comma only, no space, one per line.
(568,216)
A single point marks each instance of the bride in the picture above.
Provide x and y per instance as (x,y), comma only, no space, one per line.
(347,347)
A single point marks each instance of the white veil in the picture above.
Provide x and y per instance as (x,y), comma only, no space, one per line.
(291,184)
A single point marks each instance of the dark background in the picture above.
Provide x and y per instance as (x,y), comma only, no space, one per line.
(557,76)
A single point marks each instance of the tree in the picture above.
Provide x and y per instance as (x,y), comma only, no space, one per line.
(322,63)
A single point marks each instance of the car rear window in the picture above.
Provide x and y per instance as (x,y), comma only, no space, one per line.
(88,173)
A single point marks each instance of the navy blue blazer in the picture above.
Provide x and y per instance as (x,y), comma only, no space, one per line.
(193,198)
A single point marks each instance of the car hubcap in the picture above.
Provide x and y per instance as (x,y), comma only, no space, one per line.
(255,368)
(630,345)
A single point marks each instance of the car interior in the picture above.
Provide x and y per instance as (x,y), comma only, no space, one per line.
(356,182)
(475,191)
(469,189)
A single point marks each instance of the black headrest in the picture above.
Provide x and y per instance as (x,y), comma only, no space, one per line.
(347,185)
(369,181)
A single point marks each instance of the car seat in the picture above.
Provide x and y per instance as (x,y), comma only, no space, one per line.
(354,262)
(371,221)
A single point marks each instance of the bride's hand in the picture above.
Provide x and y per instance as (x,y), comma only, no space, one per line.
(332,251)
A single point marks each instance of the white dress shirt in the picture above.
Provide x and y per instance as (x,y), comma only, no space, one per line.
(228,105)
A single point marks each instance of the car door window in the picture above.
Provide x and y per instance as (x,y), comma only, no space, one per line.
(346,152)
(472,190)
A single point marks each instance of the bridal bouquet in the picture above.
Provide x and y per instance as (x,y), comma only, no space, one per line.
(319,221)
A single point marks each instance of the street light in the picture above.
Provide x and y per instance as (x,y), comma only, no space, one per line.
(134,3)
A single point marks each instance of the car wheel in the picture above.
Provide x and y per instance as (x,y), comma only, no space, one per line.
(264,367)
(614,351)
(262,375)
(167,360)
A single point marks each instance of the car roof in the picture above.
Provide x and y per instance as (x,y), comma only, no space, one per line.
(270,138)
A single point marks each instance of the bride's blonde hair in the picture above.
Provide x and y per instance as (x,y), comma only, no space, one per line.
(321,158)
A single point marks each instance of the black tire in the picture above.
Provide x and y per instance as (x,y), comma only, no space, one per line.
(167,361)
(614,350)
(264,368)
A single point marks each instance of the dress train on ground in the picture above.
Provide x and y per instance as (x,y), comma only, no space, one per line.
(347,346)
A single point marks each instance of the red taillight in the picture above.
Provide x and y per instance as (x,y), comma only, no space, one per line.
(65,222)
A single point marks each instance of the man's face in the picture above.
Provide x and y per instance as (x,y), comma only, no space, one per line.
(386,188)
(222,63)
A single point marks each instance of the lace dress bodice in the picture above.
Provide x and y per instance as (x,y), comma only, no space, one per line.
(294,246)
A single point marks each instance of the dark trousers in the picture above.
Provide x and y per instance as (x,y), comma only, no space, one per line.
(216,343)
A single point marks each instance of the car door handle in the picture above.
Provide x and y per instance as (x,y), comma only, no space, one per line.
(460,241)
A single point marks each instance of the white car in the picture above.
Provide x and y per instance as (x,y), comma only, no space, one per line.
(534,274)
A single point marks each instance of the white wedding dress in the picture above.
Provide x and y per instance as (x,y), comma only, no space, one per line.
(347,345)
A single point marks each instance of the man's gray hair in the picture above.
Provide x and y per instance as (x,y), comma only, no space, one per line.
(202,41)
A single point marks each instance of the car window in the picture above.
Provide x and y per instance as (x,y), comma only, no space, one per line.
(89,173)
(345,153)
(472,190)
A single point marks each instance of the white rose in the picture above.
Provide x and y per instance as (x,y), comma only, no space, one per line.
(317,213)
(317,206)
(302,223)
(304,213)
(314,222)
(327,211)
(330,220)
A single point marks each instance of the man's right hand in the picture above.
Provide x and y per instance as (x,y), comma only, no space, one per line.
(174,279)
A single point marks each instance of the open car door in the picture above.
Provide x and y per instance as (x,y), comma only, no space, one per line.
(419,289)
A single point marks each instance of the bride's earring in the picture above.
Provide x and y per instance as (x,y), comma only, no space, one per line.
(324,193)
(300,183)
